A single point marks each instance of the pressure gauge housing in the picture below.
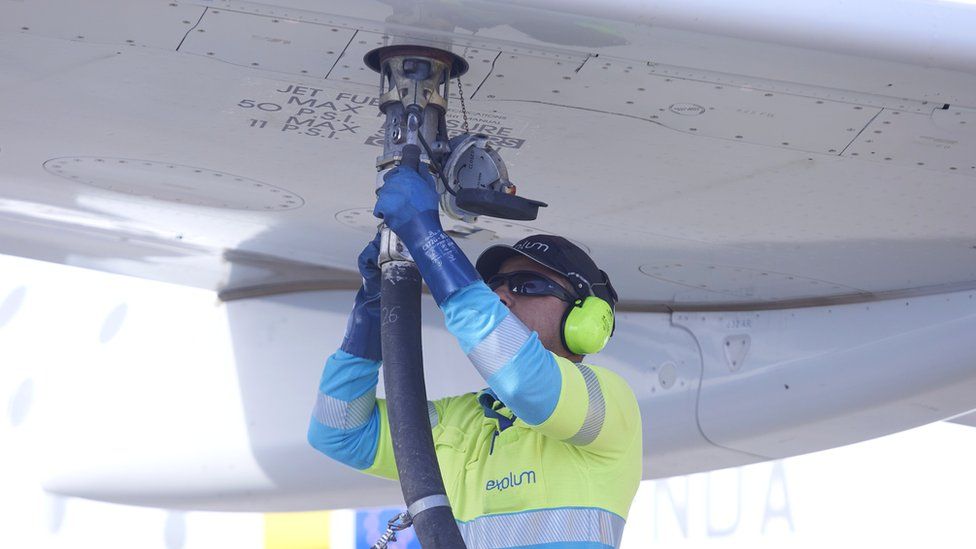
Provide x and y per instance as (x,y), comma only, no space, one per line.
(477,183)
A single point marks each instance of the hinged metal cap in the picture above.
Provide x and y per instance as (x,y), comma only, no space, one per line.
(375,58)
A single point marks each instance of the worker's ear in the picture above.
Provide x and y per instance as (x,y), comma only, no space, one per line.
(587,325)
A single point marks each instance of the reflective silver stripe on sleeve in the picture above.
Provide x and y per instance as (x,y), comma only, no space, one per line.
(498,347)
(563,525)
(340,414)
(432,414)
(596,411)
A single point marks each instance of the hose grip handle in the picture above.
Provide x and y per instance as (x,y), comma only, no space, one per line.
(410,157)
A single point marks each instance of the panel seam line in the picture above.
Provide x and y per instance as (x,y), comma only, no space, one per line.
(195,25)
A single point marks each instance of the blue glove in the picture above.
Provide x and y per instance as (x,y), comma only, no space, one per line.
(405,195)
(408,203)
(362,337)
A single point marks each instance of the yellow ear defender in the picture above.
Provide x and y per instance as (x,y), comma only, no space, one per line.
(587,325)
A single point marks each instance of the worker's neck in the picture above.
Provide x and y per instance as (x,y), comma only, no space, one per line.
(569,356)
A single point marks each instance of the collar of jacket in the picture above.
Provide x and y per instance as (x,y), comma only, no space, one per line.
(496,409)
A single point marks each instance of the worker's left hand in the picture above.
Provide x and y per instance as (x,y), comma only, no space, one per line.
(369,269)
(408,198)
(362,337)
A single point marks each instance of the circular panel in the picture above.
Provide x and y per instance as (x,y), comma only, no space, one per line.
(174,183)
(667,376)
(687,109)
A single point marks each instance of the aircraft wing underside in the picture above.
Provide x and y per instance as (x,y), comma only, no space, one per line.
(230,145)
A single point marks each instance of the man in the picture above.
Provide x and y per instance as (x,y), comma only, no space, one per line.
(550,454)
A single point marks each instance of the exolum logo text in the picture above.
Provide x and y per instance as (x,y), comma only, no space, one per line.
(511,481)
(541,246)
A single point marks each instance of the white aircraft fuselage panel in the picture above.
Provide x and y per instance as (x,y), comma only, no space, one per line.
(153,395)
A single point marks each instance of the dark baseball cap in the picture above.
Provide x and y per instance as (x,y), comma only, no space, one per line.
(558,254)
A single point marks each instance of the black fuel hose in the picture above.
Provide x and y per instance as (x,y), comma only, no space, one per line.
(406,401)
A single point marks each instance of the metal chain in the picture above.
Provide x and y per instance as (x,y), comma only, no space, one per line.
(394,525)
(464,110)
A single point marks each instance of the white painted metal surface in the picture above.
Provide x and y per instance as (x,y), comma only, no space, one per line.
(833,373)
(153,395)
(741,155)
(925,33)
(743,182)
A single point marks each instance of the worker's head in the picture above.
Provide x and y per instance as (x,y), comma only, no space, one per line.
(555,289)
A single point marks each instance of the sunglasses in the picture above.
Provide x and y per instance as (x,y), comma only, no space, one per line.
(530,283)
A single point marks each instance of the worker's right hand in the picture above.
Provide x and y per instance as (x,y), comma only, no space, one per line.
(408,199)
(408,203)
(362,337)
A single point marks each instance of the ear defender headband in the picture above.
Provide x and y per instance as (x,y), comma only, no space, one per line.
(588,323)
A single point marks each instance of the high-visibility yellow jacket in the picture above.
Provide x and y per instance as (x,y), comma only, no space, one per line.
(549,456)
